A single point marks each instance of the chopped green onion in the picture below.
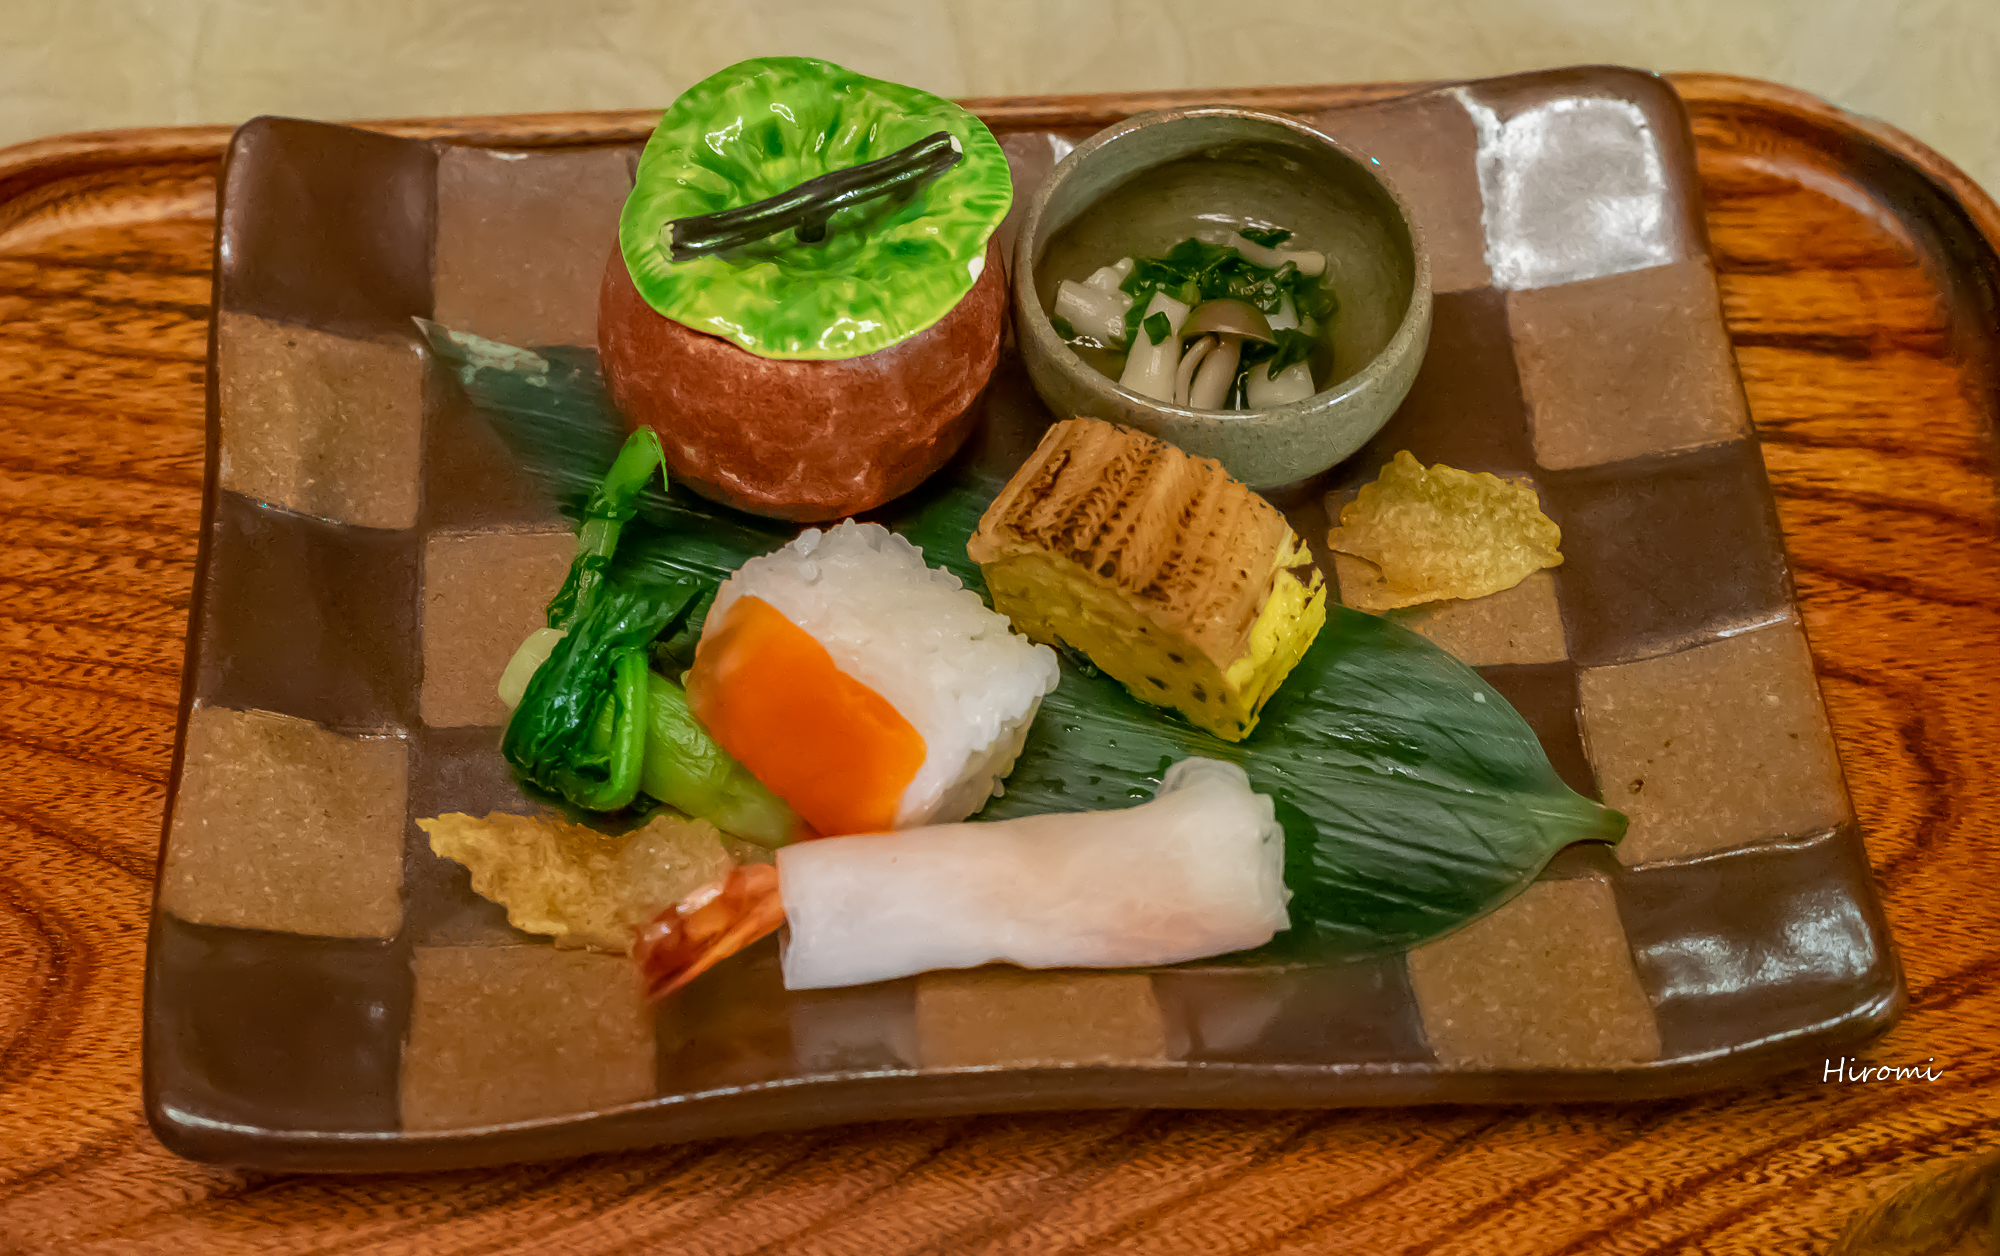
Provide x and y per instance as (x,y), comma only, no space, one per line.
(1158,326)
(1293,347)
(1063,327)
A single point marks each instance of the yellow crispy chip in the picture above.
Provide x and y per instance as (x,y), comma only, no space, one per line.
(1425,535)
(574,883)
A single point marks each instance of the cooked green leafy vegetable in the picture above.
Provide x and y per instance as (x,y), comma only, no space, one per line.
(1292,346)
(1413,797)
(1194,271)
(597,672)
(597,725)
(604,517)
(1269,237)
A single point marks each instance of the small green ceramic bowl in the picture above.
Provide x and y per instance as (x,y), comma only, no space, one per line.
(1144,185)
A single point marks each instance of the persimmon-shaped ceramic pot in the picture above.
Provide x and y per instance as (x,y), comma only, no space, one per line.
(807,380)
(800,439)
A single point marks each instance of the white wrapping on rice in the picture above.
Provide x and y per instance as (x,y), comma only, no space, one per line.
(1197,871)
(914,634)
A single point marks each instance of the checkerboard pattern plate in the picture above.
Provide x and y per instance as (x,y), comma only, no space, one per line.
(324,992)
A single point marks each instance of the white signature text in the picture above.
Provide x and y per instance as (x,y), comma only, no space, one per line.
(1841,1071)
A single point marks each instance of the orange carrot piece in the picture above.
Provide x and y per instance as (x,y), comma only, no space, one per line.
(824,742)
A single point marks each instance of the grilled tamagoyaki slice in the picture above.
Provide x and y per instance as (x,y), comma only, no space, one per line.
(1159,567)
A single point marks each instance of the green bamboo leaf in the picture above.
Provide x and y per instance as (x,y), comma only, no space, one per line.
(550,407)
(1413,796)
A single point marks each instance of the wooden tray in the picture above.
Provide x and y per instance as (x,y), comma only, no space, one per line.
(59,223)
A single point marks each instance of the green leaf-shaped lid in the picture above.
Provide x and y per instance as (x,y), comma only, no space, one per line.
(887,269)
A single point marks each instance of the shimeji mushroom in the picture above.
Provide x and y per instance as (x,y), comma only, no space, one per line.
(1222,325)
(1155,359)
(1294,383)
(1096,307)
(1193,358)
(1309,262)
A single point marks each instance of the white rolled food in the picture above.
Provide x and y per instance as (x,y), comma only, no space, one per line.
(1197,871)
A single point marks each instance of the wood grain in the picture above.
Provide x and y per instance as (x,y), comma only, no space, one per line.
(1859,276)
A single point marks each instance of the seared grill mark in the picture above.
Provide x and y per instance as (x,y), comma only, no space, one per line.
(1175,532)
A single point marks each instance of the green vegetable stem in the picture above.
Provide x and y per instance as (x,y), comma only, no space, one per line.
(685,768)
(604,515)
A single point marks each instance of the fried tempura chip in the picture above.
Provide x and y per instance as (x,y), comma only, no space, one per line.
(575,884)
(1426,535)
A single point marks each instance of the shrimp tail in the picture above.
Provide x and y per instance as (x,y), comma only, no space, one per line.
(709,926)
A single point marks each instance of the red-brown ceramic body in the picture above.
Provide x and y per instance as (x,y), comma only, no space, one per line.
(810,441)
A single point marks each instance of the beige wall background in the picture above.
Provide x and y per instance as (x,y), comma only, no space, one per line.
(1931,67)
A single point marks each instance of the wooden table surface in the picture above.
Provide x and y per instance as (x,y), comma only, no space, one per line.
(1859,280)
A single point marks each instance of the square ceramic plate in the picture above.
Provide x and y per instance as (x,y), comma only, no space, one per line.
(323,992)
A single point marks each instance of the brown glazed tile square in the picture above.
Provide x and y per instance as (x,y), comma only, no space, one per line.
(326,224)
(1611,147)
(513,1033)
(853,1030)
(1360,1011)
(1627,365)
(321,424)
(456,769)
(1000,1015)
(308,618)
(274,1030)
(1714,747)
(483,593)
(282,825)
(1518,625)
(523,239)
(1429,150)
(472,478)
(1575,179)
(1664,553)
(1720,947)
(733,1027)
(1465,408)
(1544,694)
(1546,981)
